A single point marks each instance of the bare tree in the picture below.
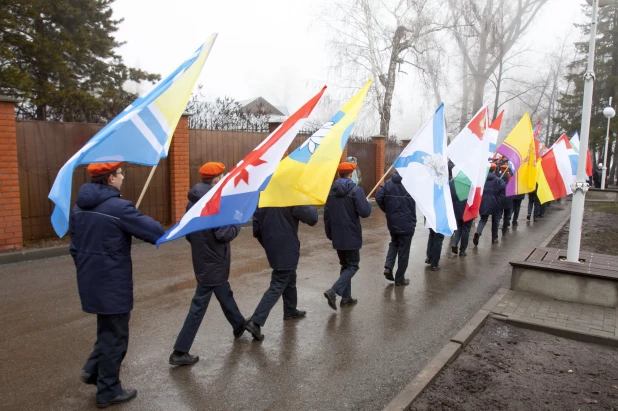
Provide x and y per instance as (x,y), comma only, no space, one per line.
(495,27)
(379,38)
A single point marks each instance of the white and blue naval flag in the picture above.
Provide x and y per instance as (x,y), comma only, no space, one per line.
(423,166)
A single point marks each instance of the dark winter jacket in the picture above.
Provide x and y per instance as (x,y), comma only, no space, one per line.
(399,206)
(597,177)
(345,204)
(507,201)
(493,192)
(210,249)
(276,228)
(459,206)
(102,225)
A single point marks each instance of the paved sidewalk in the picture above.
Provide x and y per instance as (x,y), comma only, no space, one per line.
(546,311)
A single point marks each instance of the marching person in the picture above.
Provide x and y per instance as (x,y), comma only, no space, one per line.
(507,201)
(533,204)
(434,249)
(463,227)
(597,176)
(517,200)
(356,174)
(493,192)
(345,205)
(276,229)
(211,255)
(400,209)
(102,225)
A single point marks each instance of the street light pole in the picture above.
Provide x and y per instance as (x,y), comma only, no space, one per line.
(608,112)
(580,185)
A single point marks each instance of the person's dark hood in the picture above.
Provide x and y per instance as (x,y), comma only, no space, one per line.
(91,195)
(396,178)
(491,176)
(342,187)
(198,191)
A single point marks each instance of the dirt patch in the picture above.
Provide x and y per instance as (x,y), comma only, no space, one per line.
(598,230)
(508,368)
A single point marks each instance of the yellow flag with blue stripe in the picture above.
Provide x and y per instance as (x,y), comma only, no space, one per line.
(306,175)
(141,134)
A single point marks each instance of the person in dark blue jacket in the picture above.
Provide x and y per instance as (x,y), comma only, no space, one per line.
(276,229)
(102,225)
(533,204)
(507,201)
(400,209)
(345,204)
(493,192)
(517,200)
(463,227)
(211,255)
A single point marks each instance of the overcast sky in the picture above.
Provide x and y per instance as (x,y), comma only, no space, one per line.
(276,49)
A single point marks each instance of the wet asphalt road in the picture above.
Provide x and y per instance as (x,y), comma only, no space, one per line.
(356,358)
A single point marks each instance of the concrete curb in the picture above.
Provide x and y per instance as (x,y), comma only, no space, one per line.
(446,356)
(63,250)
(559,332)
(554,232)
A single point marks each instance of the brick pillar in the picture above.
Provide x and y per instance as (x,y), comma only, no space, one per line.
(380,143)
(405,141)
(179,169)
(11,237)
(344,155)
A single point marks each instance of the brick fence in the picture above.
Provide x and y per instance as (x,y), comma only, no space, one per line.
(25,180)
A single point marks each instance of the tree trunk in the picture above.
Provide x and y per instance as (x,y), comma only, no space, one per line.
(498,86)
(390,83)
(463,116)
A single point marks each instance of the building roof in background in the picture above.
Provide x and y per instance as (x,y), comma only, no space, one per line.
(278,114)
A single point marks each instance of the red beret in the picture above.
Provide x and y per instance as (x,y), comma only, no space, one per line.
(346,167)
(212,170)
(492,166)
(98,169)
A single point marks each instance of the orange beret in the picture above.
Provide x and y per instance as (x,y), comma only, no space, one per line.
(212,170)
(346,167)
(492,166)
(504,166)
(98,169)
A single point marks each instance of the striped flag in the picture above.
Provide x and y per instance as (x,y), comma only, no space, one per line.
(554,173)
(141,134)
(519,148)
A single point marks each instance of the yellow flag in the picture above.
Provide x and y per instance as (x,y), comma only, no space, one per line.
(519,148)
(306,175)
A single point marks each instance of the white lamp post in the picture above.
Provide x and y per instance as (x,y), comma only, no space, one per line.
(580,185)
(608,112)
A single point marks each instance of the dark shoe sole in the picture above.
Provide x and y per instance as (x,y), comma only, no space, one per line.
(475,240)
(294,317)
(454,249)
(254,333)
(351,302)
(172,362)
(401,284)
(89,380)
(109,404)
(389,276)
(332,302)
(434,268)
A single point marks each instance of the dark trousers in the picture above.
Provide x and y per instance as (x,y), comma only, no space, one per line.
(495,222)
(349,260)
(199,304)
(282,283)
(108,353)
(506,219)
(462,233)
(516,208)
(399,249)
(434,247)
(534,202)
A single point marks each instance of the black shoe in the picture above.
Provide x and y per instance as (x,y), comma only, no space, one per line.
(454,249)
(254,329)
(475,240)
(87,378)
(332,299)
(435,268)
(350,301)
(184,359)
(494,241)
(388,274)
(427,261)
(297,314)
(528,217)
(404,282)
(515,223)
(503,233)
(127,395)
(238,332)
(463,254)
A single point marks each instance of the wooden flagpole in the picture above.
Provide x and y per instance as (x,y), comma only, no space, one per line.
(141,196)
(381,179)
